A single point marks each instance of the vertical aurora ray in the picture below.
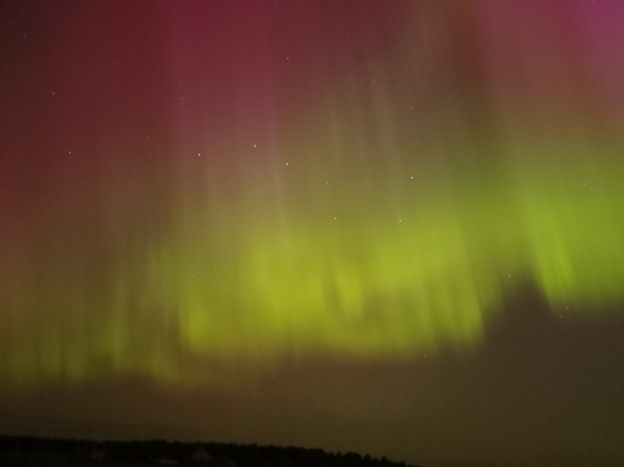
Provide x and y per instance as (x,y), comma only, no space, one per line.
(358,196)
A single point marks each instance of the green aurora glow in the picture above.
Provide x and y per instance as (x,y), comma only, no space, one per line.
(361,266)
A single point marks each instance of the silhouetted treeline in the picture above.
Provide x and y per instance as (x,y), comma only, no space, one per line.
(18,451)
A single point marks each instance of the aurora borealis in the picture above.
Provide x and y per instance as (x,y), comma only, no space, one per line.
(211,197)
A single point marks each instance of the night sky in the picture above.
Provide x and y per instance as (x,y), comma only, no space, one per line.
(392,227)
